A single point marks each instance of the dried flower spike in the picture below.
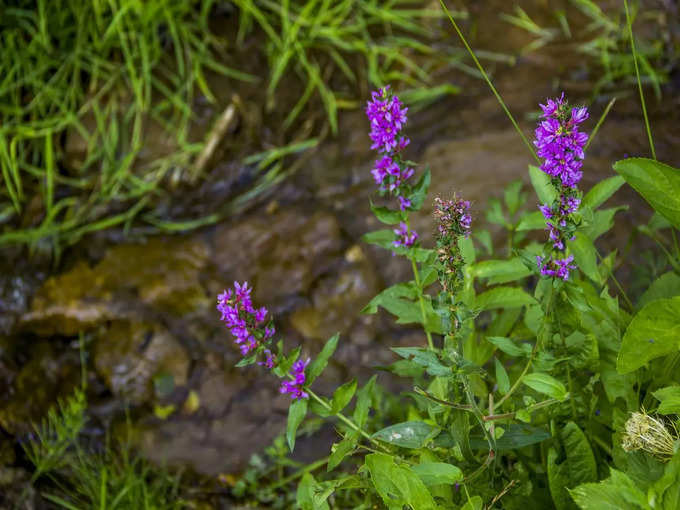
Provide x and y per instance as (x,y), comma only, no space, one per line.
(649,434)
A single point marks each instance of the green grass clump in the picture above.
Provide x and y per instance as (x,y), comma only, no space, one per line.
(76,477)
(97,75)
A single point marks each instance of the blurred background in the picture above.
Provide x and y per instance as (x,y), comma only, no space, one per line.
(153,152)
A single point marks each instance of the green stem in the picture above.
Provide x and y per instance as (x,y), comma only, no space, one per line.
(617,283)
(531,356)
(599,123)
(347,421)
(639,82)
(416,275)
(307,469)
(488,81)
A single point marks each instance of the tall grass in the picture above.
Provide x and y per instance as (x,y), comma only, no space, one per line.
(96,73)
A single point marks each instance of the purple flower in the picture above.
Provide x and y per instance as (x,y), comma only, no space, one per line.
(295,387)
(383,167)
(387,116)
(405,237)
(244,321)
(561,146)
(556,267)
(404,203)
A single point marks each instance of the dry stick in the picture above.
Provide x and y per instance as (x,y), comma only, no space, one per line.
(219,129)
(488,81)
(639,82)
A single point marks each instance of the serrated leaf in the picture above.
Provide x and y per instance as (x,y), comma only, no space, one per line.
(400,290)
(305,494)
(653,332)
(398,485)
(618,492)
(658,183)
(602,222)
(546,384)
(408,434)
(296,413)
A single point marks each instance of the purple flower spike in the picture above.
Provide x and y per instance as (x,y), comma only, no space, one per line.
(246,323)
(296,387)
(561,146)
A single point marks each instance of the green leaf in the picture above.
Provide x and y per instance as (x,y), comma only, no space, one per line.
(585,256)
(502,378)
(542,184)
(508,346)
(408,434)
(296,413)
(500,271)
(577,468)
(669,398)
(618,492)
(503,297)
(515,436)
(305,494)
(343,395)
(513,196)
(437,473)
(420,190)
(665,286)
(400,290)
(602,191)
(382,238)
(386,215)
(546,384)
(531,221)
(321,361)
(398,485)
(474,503)
(425,358)
(364,402)
(601,222)
(665,492)
(340,450)
(658,183)
(653,332)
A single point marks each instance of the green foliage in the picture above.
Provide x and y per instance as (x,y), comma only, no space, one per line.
(112,478)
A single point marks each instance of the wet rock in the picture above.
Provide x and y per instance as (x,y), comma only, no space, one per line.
(131,354)
(336,301)
(162,273)
(281,254)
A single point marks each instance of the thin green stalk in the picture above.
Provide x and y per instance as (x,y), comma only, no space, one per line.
(307,469)
(599,123)
(488,81)
(347,421)
(531,357)
(416,275)
(616,282)
(639,82)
